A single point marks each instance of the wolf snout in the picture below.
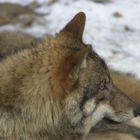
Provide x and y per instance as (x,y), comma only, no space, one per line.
(137,111)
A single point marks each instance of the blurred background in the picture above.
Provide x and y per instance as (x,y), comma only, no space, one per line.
(112,27)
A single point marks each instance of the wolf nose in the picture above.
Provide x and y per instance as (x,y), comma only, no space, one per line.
(137,111)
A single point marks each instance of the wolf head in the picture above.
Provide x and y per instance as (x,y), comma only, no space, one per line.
(88,94)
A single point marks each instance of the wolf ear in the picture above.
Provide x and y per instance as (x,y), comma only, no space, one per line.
(78,59)
(72,66)
(76,25)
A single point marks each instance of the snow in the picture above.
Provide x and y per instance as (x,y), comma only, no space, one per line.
(25,2)
(116,39)
(22,2)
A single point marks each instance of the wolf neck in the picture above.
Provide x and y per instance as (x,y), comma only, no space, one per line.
(26,83)
(27,69)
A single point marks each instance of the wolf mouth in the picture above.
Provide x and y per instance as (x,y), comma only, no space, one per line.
(105,124)
(110,121)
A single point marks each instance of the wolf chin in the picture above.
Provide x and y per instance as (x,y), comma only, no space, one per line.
(59,89)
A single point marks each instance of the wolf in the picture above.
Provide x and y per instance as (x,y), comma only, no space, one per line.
(59,89)
(102,130)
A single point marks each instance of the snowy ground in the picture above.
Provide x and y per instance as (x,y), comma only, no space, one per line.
(115,38)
